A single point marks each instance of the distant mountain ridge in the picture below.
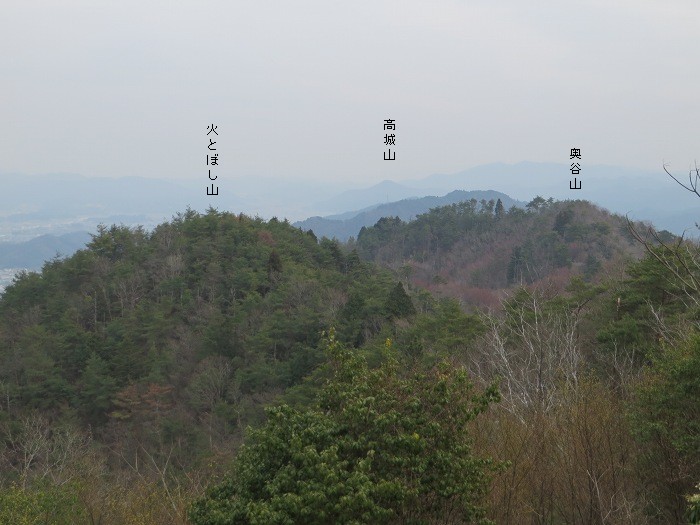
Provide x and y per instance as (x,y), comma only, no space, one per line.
(58,203)
(349,224)
(384,192)
(32,254)
(642,194)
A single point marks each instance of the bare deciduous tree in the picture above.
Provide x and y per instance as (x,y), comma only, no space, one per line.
(37,451)
(681,257)
(534,351)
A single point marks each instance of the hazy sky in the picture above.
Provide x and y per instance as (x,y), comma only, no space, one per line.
(300,89)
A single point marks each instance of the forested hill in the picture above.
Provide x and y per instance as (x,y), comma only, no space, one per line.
(179,336)
(349,224)
(471,250)
(129,371)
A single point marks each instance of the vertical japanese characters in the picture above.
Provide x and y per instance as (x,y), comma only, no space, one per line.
(389,139)
(575,168)
(212,158)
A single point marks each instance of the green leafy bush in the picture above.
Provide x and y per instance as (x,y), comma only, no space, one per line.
(384,445)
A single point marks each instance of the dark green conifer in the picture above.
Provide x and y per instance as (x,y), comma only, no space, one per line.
(399,304)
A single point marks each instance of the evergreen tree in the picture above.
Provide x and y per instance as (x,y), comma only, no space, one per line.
(399,304)
(383,445)
(97,389)
(562,220)
(667,421)
(516,266)
(274,264)
(536,204)
(500,210)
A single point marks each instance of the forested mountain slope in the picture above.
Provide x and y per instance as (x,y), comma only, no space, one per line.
(129,371)
(172,341)
(347,225)
(473,250)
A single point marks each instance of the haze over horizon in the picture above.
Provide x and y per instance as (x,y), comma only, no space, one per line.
(300,90)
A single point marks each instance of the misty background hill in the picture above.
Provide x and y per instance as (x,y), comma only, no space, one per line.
(347,225)
(60,204)
(641,194)
(32,254)
(65,198)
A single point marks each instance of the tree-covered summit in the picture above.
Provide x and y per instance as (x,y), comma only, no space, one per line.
(474,250)
(180,335)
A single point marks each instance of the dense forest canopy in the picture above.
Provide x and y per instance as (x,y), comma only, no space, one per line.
(377,386)
(473,250)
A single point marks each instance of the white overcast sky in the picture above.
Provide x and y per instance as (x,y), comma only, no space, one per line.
(300,89)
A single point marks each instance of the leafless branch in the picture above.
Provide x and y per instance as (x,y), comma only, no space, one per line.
(693,179)
(534,352)
(681,259)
